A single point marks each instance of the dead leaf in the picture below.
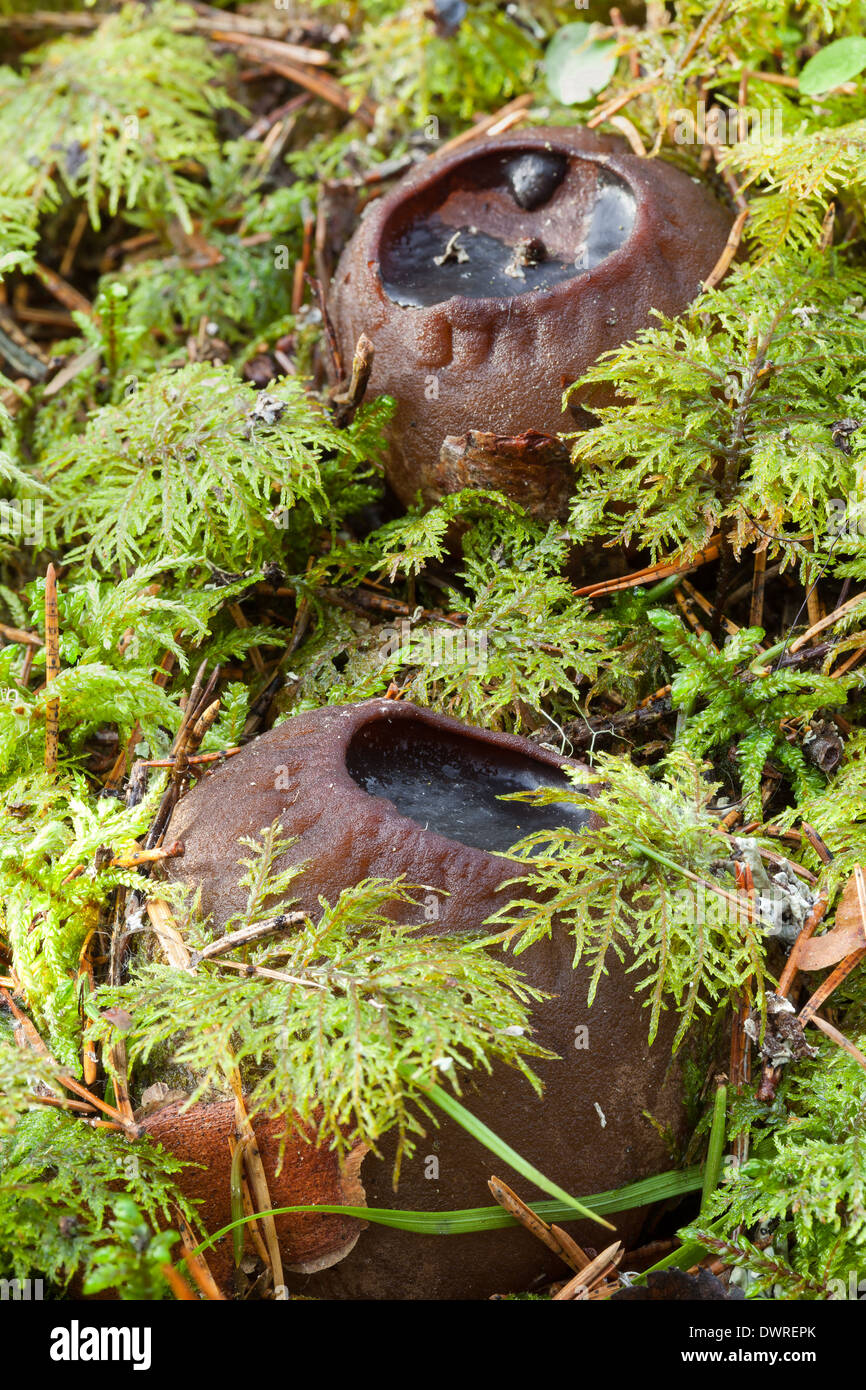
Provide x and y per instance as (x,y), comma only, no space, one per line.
(848,934)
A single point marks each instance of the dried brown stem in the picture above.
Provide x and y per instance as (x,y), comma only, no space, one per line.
(732,245)
(258,931)
(553,1237)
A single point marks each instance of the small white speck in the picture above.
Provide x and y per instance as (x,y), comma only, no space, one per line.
(513,1031)
(443,1063)
(601,1114)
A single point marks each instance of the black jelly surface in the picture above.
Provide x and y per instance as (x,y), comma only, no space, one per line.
(449,783)
(479,265)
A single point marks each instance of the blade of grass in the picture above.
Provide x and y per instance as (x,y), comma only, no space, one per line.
(473,1219)
(691,1254)
(491,1141)
(716,1147)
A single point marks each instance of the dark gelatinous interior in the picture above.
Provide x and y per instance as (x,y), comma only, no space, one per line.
(449,783)
(585,214)
(533,177)
(611,222)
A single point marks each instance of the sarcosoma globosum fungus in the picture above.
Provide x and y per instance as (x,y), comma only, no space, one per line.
(491,278)
(298,1174)
(384,788)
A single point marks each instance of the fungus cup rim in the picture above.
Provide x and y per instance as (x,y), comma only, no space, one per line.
(439,166)
(376,710)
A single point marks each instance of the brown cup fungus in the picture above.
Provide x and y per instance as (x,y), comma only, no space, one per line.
(297,1173)
(491,278)
(384,788)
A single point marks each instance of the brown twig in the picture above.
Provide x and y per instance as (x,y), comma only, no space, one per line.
(17,634)
(486,125)
(20,351)
(302,266)
(621,28)
(553,1237)
(241,622)
(601,113)
(197,1264)
(257,931)
(136,857)
(71,298)
(839,1039)
(706,607)
(179,1287)
(200,712)
(815,610)
(824,990)
(191,762)
(759,580)
(90,1059)
(732,245)
(69,1082)
(778,79)
(61,1103)
(663,569)
(698,35)
(631,133)
(596,1271)
(811,834)
(273,49)
(740,1068)
(178,955)
(264,972)
(258,1179)
(827,621)
(261,127)
(325,87)
(253,1226)
(717,152)
(685,604)
(334,363)
(790,971)
(581,731)
(167,934)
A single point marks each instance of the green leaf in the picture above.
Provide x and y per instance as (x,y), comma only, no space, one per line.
(835,64)
(716,1147)
(470,1220)
(578,64)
